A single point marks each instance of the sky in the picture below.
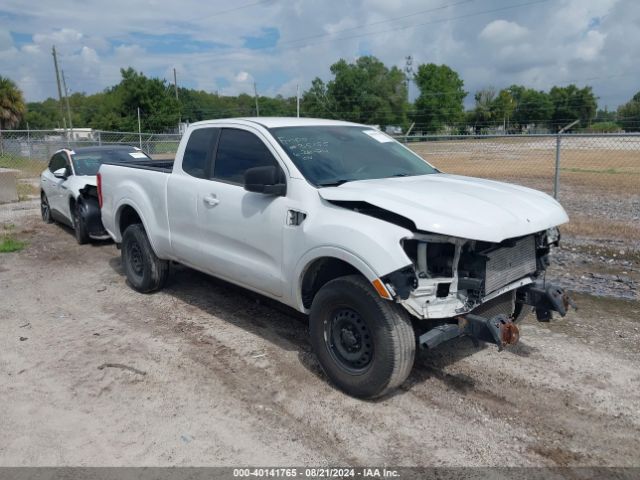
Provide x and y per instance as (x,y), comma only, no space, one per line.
(224,47)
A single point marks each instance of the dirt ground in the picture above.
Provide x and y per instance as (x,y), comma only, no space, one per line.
(205,373)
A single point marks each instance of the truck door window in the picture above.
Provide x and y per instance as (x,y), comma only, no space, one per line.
(197,154)
(237,151)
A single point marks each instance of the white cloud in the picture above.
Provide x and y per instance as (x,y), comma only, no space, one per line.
(534,45)
(589,48)
(503,31)
(242,76)
(6,42)
(89,55)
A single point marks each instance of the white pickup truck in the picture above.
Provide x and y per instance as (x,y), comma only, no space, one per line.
(385,253)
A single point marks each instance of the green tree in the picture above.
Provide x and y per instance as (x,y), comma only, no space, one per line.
(12,106)
(316,101)
(502,108)
(42,115)
(481,115)
(155,98)
(440,103)
(365,91)
(605,115)
(629,114)
(531,107)
(572,103)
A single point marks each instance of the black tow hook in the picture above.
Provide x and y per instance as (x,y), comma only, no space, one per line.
(547,298)
(500,330)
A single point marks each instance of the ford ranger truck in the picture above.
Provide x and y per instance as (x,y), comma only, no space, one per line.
(385,253)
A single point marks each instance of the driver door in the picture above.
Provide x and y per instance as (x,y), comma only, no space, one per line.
(242,231)
(54,187)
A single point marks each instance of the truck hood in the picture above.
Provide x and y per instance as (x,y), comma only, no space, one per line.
(464,207)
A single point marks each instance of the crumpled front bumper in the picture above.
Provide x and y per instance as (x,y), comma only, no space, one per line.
(500,329)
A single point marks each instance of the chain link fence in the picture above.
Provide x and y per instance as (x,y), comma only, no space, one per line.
(25,153)
(595,177)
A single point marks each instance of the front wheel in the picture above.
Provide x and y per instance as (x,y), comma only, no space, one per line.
(79,224)
(45,209)
(365,345)
(145,271)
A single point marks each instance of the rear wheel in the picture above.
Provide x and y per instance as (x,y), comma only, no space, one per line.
(365,345)
(45,209)
(79,224)
(145,271)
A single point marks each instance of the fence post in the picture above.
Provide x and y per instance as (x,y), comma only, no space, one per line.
(556,180)
(99,138)
(29,140)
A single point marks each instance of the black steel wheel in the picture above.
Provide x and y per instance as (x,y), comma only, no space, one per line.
(145,271)
(349,340)
(365,344)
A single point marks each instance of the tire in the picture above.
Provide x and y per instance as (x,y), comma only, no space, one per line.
(79,225)
(365,344)
(45,209)
(145,271)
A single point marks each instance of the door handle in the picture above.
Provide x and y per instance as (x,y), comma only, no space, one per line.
(210,200)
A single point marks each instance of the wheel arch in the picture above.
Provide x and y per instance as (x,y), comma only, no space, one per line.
(127,215)
(322,265)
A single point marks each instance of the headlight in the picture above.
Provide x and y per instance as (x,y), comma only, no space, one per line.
(553,235)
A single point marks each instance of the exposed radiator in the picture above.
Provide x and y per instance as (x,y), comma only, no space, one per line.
(507,265)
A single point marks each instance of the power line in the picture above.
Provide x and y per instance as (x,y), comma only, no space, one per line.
(216,56)
(235,9)
(405,27)
(364,25)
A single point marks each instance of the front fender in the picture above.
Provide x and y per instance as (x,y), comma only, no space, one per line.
(323,252)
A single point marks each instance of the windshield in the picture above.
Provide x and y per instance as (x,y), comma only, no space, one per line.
(88,163)
(332,155)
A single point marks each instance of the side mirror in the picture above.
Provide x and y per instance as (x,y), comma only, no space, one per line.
(61,173)
(265,180)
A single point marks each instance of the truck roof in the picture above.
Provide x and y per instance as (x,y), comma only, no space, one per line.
(274,122)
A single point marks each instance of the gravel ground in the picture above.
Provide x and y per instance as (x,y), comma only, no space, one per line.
(204,373)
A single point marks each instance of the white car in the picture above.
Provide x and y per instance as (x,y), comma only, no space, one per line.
(382,250)
(64,195)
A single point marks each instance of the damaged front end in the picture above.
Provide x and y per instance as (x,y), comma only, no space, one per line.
(476,288)
(89,208)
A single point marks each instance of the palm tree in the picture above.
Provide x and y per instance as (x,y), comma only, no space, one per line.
(12,106)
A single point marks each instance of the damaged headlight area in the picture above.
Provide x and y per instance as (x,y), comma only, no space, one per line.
(480,288)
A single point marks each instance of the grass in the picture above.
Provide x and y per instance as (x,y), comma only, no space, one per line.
(8,242)
(29,168)
(26,191)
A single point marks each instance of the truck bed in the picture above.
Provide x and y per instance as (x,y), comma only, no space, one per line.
(164,166)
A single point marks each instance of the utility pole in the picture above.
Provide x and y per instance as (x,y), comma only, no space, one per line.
(298,100)
(55,64)
(408,72)
(139,129)
(175,83)
(66,99)
(255,91)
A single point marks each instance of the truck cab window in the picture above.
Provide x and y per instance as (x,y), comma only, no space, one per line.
(239,150)
(198,151)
